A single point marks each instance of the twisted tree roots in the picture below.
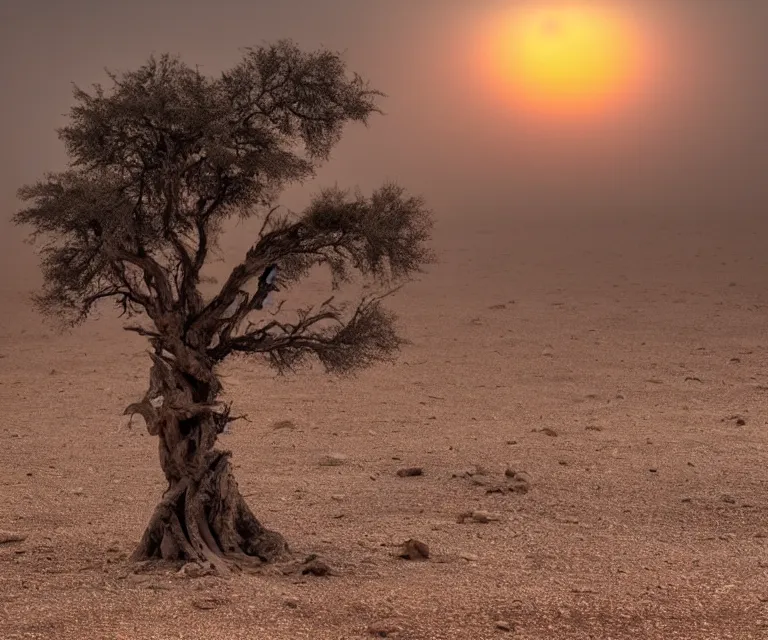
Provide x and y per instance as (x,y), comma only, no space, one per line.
(204,519)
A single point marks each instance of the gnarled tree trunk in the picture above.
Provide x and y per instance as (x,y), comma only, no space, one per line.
(202,516)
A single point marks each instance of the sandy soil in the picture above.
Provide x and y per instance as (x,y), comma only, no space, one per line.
(614,364)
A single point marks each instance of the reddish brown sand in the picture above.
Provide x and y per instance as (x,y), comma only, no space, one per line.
(639,346)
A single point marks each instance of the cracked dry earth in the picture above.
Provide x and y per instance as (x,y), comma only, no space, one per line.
(623,369)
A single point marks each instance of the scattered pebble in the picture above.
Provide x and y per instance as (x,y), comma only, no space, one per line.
(503,625)
(410,471)
(384,628)
(413,549)
(314,566)
(333,460)
(10,536)
(479,516)
(283,424)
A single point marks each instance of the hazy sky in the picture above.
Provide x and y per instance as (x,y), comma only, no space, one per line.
(698,146)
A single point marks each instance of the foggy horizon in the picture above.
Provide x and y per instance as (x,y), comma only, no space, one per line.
(694,148)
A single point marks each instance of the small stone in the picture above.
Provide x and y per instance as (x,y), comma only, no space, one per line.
(485,516)
(338,497)
(470,557)
(291,603)
(728,537)
(571,520)
(410,471)
(333,460)
(653,470)
(549,432)
(78,492)
(503,625)
(384,628)
(10,536)
(413,549)
(497,488)
(741,422)
(316,567)
(283,424)
(728,498)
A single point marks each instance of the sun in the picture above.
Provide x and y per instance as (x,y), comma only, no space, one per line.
(565,60)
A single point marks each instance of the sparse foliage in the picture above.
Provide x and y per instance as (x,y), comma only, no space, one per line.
(158,164)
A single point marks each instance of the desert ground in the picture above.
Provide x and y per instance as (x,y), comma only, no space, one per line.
(620,366)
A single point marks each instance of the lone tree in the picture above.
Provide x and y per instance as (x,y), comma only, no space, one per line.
(157,165)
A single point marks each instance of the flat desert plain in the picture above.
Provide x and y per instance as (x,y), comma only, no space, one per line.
(620,368)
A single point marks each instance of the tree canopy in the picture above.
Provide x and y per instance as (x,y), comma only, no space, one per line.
(160,161)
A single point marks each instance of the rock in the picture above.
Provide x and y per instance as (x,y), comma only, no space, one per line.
(10,536)
(413,549)
(728,498)
(315,567)
(518,481)
(497,488)
(503,625)
(519,485)
(283,424)
(384,628)
(333,460)
(548,432)
(410,471)
(479,516)
(78,492)
(338,497)
(474,470)
(470,557)
(291,603)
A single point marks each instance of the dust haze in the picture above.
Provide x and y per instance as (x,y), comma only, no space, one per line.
(605,281)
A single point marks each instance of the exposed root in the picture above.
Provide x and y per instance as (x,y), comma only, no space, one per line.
(206,520)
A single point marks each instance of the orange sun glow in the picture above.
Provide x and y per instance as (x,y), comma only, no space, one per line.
(568,60)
